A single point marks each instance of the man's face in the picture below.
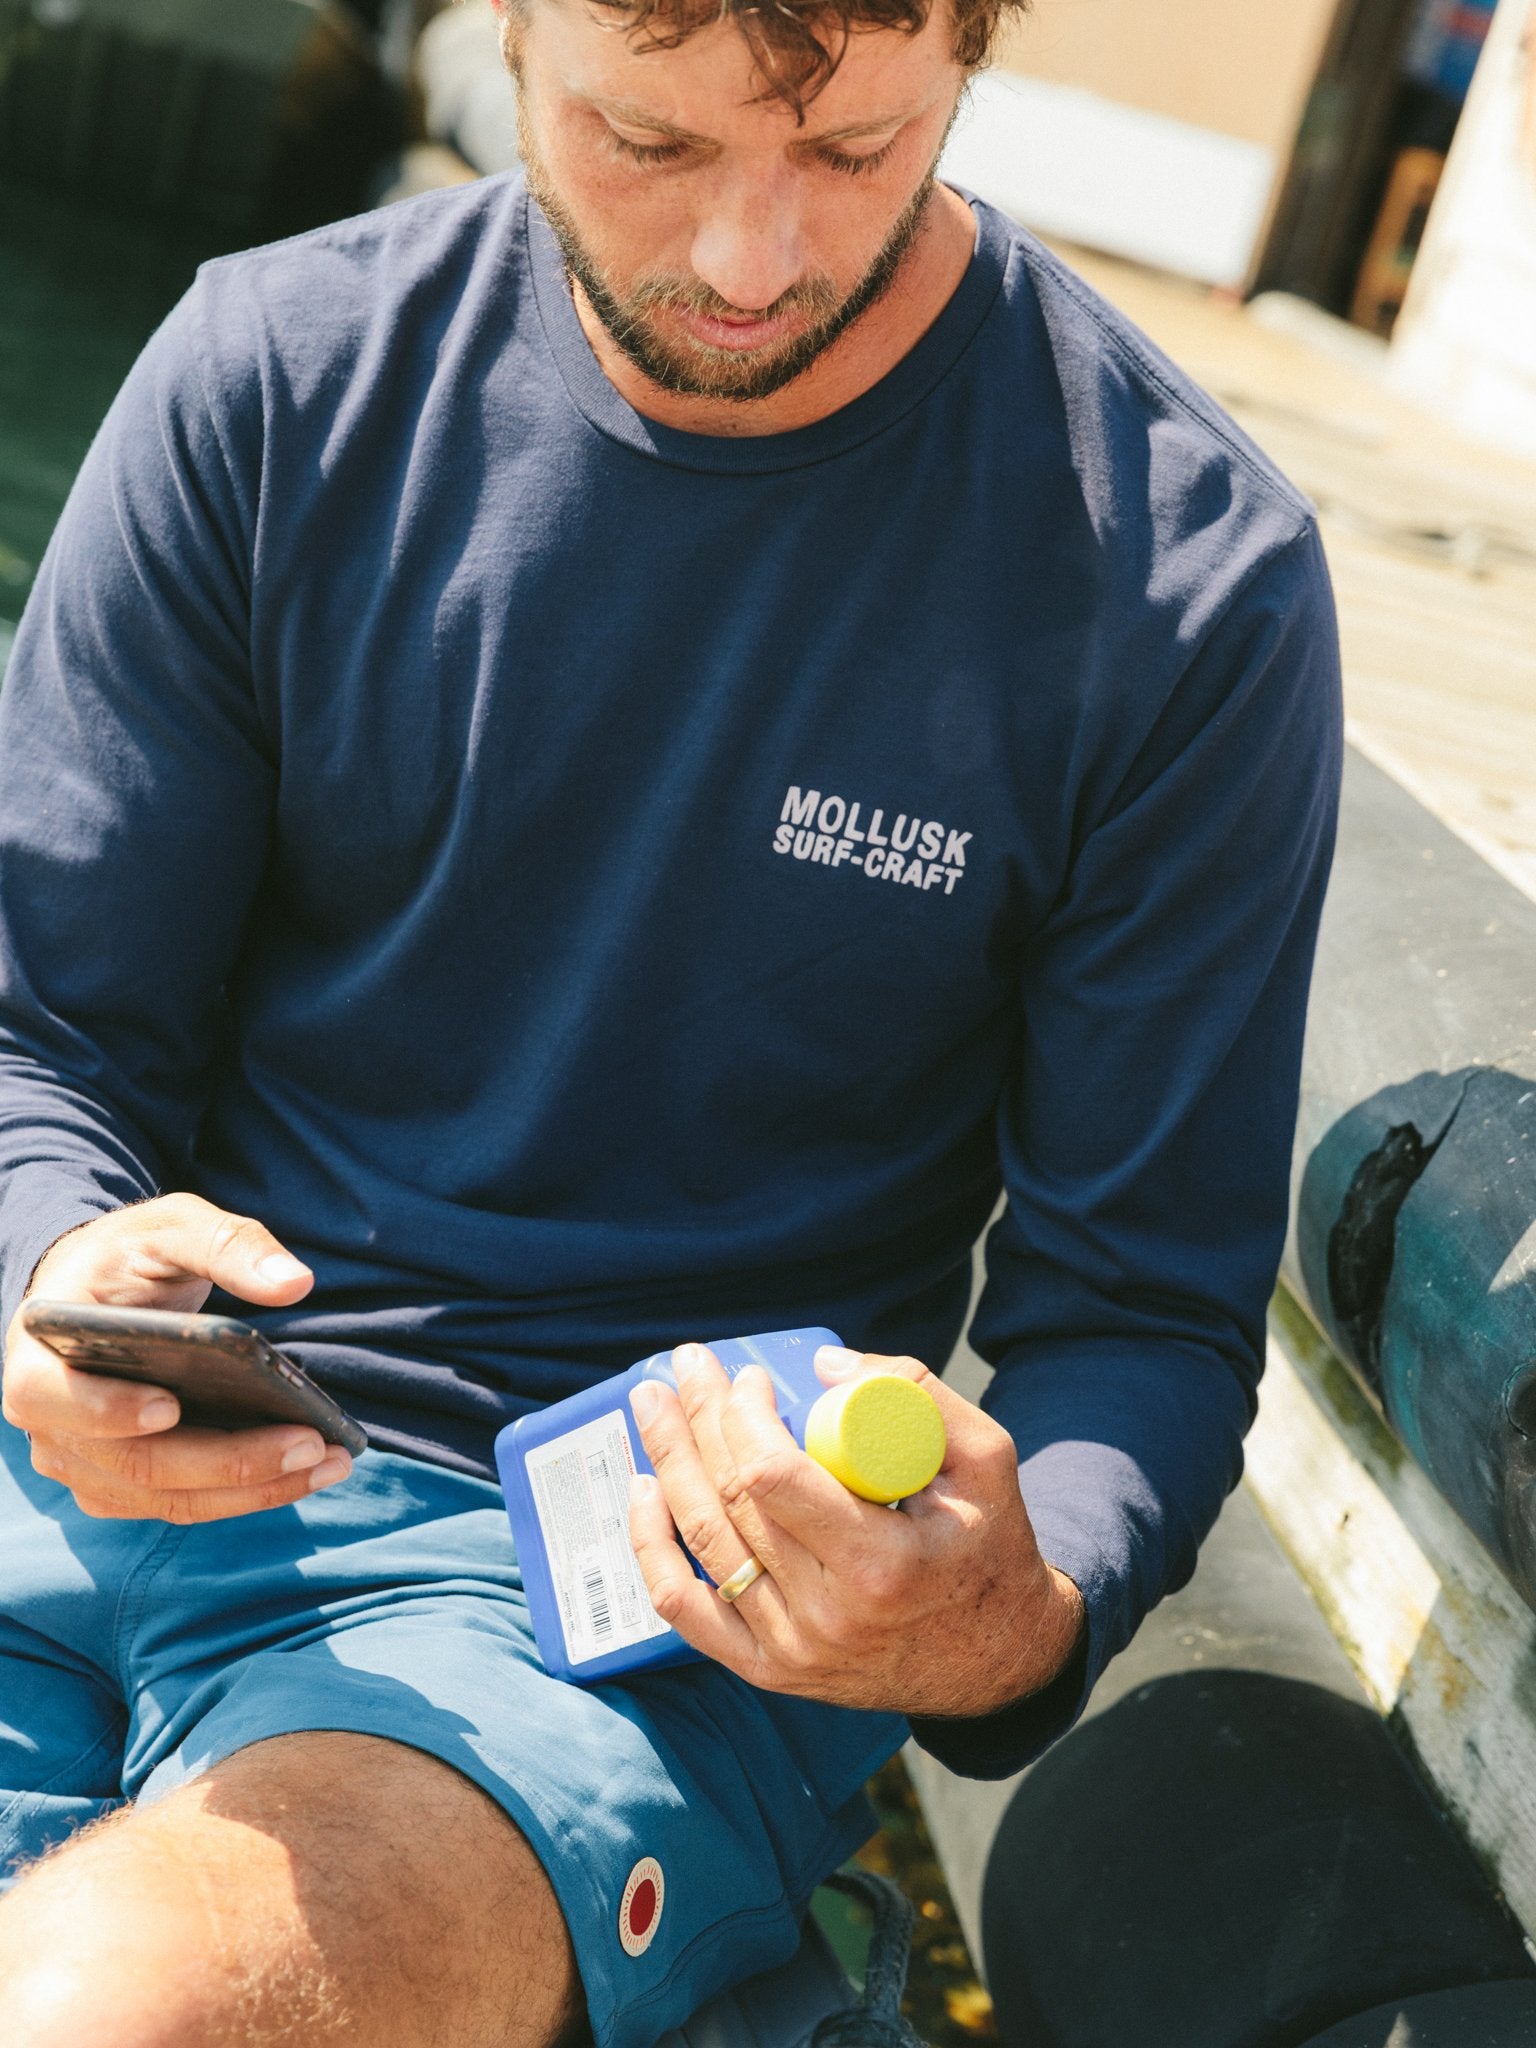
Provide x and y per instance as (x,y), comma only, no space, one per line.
(723,247)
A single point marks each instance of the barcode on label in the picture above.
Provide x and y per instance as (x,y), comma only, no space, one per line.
(597,1603)
(580,1487)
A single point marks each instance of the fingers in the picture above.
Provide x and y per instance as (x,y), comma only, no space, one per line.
(679,1596)
(194,1475)
(862,1605)
(182,1234)
(165,1254)
(117,1444)
(835,1363)
(740,1458)
(703,1388)
(191,1475)
(770,1474)
(693,1497)
(980,1459)
(44,1396)
(736,1481)
(201,1460)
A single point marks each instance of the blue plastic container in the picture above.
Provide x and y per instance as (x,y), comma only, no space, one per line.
(565,1472)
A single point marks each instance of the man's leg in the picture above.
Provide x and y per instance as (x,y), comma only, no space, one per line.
(307,1887)
(363,1888)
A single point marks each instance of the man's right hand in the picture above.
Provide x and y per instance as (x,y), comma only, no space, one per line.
(118,1445)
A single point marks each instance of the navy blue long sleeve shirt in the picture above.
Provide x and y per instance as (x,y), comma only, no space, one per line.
(586,885)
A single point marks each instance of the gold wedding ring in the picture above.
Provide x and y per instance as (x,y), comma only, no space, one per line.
(731,1589)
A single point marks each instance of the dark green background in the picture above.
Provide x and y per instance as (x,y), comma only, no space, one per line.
(81,291)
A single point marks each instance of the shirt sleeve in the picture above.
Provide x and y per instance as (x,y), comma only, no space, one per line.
(135,793)
(1146,1138)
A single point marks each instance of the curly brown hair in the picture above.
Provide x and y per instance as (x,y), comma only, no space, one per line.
(798,44)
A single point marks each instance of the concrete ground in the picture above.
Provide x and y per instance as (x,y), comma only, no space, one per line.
(1431,537)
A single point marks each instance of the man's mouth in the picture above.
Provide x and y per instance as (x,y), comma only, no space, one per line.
(739,332)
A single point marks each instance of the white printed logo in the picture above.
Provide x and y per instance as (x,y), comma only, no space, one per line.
(920,852)
(640,1909)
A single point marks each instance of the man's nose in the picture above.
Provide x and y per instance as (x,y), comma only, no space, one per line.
(749,247)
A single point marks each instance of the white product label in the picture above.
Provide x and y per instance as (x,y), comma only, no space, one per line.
(580,1484)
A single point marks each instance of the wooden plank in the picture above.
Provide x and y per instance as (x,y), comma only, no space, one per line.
(1442,1642)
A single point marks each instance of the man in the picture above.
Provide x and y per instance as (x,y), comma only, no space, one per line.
(582,775)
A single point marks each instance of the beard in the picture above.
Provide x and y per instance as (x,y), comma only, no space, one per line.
(692,369)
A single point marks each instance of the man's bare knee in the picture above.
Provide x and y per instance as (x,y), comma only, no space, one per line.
(308,1887)
(114,1941)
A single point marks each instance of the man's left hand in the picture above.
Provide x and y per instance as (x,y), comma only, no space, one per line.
(941,1607)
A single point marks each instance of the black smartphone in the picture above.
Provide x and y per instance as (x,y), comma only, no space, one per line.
(225,1374)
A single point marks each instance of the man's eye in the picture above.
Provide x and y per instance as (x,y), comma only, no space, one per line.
(647,152)
(856,166)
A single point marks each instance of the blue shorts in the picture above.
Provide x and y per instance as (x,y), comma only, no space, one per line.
(683,1818)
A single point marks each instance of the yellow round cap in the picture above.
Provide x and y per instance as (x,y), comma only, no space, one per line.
(882,1436)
